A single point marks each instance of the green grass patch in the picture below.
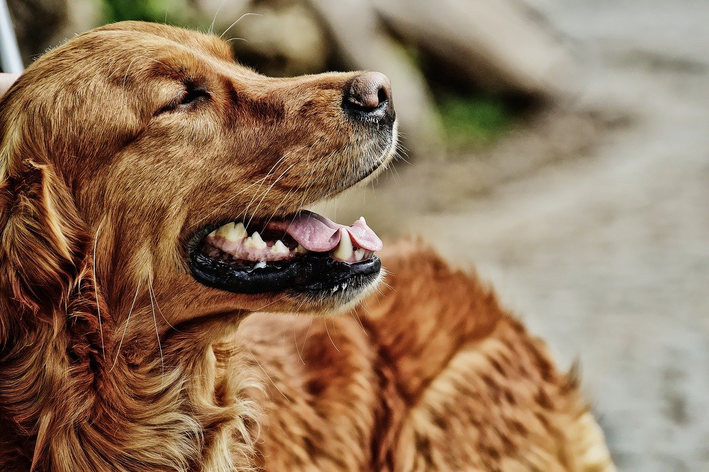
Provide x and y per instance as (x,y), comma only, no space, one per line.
(157,11)
(470,121)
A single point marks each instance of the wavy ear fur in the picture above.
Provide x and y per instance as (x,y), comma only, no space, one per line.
(42,245)
(49,314)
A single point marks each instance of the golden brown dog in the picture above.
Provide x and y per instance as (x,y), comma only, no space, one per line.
(151,198)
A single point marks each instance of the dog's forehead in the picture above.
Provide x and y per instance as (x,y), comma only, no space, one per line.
(126,52)
(129,49)
(142,53)
(130,35)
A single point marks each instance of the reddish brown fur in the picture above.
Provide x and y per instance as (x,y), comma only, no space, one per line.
(100,190)
(430,375)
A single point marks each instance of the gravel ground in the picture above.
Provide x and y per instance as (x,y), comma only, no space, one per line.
(593,223)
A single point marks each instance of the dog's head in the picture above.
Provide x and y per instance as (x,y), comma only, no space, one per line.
(144,158)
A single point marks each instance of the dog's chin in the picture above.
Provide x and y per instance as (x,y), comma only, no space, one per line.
(329,303)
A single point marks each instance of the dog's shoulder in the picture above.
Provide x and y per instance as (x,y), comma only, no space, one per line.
(478,389)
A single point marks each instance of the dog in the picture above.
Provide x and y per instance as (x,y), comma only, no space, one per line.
(163,290)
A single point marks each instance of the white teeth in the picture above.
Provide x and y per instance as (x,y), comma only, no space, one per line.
(344,248)
(279,249)
(359,254)
(223,231)
(254,241)
(212,234)
(260,265)
(240,230)
(232,232)
(256,238)
(361,218)
(300,249)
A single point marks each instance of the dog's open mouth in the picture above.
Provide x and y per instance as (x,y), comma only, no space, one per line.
(305,252)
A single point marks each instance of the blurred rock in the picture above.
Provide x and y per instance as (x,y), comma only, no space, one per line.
(499,45)
(281,40)
(34,22)
(42,24)
(82,15)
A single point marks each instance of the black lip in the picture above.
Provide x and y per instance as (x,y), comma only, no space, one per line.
(309,273)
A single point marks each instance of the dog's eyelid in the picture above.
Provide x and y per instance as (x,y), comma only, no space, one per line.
(192,94)
(189,95)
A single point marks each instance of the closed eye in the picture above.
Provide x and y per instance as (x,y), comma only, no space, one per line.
(191,95)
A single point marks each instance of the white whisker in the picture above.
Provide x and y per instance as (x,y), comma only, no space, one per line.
(125,328)
(98,302)
(283,201)
(268,174)
(354,315)
(261,308)
(152,291)
(237,20)
(307,333)
(211,26)
(157,333)
(130,64)
(269,377)
(297,349)
(328,335)
(268,190)
(258,182)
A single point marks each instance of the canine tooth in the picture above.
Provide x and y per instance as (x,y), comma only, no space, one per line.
(240,230)
(256,238)
(344,248)
(255,241)
(212,234)
(359,254)
(279,248)
(300,249)
(361,218)
(260,265)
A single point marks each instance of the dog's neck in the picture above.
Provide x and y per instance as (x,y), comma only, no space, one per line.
(168,410)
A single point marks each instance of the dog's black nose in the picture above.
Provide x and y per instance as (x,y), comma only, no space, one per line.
(368,95)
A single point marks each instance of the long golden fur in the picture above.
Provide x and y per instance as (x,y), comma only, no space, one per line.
(113,357)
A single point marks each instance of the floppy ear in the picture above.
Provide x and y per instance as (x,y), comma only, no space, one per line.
(51,334)
(45,268)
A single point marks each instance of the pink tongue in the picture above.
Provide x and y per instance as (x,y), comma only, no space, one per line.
(319,234)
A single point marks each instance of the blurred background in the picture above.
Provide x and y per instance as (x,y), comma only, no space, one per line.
(558,148)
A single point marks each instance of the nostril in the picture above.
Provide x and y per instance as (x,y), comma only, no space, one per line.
(369,93)
(383,95)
